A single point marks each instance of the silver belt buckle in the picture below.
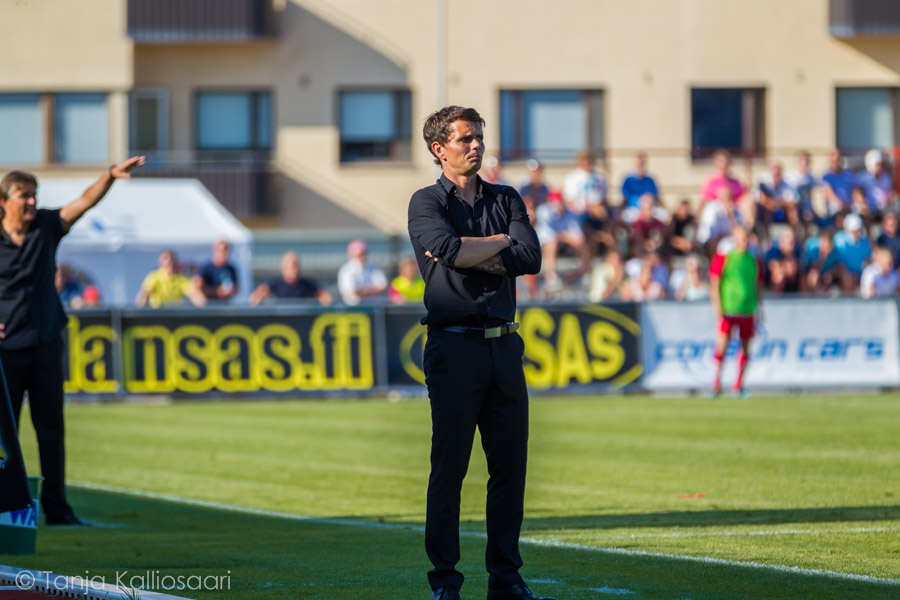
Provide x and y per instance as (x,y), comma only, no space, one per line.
(492,332)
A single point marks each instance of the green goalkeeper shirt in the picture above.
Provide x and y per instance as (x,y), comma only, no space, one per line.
(738,274)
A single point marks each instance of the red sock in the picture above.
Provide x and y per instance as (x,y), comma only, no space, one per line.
(717,362)
(742,363)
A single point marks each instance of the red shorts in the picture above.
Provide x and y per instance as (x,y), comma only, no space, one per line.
(746,326)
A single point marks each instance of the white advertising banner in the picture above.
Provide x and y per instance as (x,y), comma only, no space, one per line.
(798,344)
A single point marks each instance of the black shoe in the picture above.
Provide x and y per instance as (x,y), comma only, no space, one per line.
(519,591)
(445,593)
(66,519)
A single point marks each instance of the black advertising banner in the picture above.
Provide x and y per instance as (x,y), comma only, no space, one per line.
(291,351)
(573,348)
(14,494)
(247,354)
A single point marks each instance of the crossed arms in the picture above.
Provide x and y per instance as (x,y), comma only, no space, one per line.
(520,254)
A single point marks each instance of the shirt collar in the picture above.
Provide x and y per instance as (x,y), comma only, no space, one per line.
(450,187)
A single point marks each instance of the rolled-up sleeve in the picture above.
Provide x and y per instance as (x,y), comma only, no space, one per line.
(429,227)
(523,257)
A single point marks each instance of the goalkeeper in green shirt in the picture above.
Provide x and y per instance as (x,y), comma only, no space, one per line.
(735,285)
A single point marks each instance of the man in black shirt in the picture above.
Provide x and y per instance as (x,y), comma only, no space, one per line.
(32,317)
(289,286)
(472,239)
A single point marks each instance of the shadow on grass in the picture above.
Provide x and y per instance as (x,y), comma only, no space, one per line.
(268,557)
(713,518)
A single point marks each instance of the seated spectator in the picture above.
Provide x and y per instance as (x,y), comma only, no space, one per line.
(784,269)
(722,179)
(91,297)
(890,237)
(217,279)
(837,184)
(802,183)
(636,185)
(859,205)
(822,262)
(359,279)
(879,279)
(408,286)
(166,286)
(659,271)
(289,285)
(599,230)
(557,229)
(647,232)
(534,184)
(679,236)
(492,171)
(643,287)
(67,286)
(690,284)
(717,220)
(775,200)
(877,182)
(854,250)
(607,277)
(584,186)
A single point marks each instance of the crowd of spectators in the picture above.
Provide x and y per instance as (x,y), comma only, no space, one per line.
(830,234)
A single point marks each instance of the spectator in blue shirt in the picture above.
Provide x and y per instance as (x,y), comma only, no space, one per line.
(854,250)
(534,184)
(822,263)
(838,184)
(638,183)
(217,279)
(890,237)
(877,182)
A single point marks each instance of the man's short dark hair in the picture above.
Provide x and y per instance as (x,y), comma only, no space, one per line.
(437,125)
(13,181)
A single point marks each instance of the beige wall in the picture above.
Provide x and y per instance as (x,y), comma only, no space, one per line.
(645,54)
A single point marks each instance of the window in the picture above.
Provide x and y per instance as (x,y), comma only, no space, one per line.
(54,128)
(23,127)
(375,125)
(234,121)
(730,118)
(148,126)
(81,129)
(550,125)
(866,118)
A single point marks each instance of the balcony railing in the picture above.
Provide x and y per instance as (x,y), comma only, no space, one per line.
(175,21)
(864,18)
(246,187)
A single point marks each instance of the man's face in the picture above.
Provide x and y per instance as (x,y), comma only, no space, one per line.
(220,252)
(290,268)
(462,153)
(723,163)
(741,243)
(890,224)
(834,160)
(21,206)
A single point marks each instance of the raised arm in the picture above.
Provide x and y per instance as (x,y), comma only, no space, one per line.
(74,210)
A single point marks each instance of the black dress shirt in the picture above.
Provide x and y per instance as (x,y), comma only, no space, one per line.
(438,218)
(30,309)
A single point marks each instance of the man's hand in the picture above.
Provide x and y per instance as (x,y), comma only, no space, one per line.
(429,255)
(2,332)
(123,169)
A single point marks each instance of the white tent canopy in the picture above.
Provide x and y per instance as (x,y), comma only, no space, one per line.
(117,242)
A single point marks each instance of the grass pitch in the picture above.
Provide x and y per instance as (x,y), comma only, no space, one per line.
(667,499)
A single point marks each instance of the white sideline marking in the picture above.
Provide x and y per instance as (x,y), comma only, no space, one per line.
(764,532)
(524,540)
(609,590)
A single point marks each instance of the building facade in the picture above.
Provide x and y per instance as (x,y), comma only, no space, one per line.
(307,113)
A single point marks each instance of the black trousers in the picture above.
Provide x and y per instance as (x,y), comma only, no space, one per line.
(39,371)
(476,383)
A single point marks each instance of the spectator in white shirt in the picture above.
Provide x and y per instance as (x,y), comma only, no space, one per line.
(880,279)
(358,279)
(584,186)
(717,220)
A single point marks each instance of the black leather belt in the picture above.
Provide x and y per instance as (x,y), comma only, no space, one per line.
(482,332)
